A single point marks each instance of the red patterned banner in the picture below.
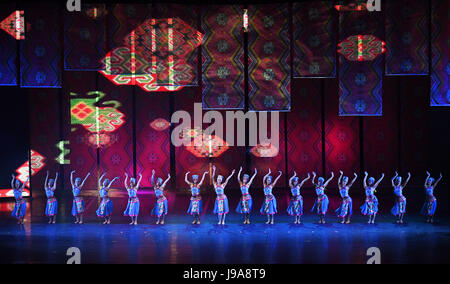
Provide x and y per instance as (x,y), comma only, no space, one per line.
(84,37)
(415,127)
(223,58)
(45,134)
(8,50)
(407,37)
(115,139)
(269,74)
(304,128)
(152,134)
(440,68)
(315,36)
(380,134)
(360,63)
(40,51)
(341,135)
(80,140)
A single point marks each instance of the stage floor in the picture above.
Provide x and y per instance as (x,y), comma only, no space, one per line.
(180,242)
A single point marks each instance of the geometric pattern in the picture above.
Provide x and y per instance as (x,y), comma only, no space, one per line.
(222,58)
(8,52)
(269,74)
(314,25)
(407,37)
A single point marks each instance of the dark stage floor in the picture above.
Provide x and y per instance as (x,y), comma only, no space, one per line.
(179,242)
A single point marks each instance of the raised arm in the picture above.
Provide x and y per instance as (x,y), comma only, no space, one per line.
(126,181)
(353,180)
(55,182)
(239,175)
(340,178)
(264,178)
(228,179)
(100,180)
(378,182)
(407,179)
(203,178)
(82,184)
(113,180)
(186,179)
(393,179)
(46,180)
(365,180)
(139,182)
(438,180)
(253,177)
(305,180)
(426,180)
(314,177)
(152,179)
(328,181)
(292,178)
(276,180)
(166,181)
(213,174)
(24,183)
(13,186)
(71,179)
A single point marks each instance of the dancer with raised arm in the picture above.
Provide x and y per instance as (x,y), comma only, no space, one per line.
(321,205)
(132,209)
(51,209)
(346,208)
(399,208)
(78,206)
(20,206)
(195,207)
(246,203)
(106,205)
(370,207)
(160,209)
(221,207)
(269,206)
(429,208)
(295,207)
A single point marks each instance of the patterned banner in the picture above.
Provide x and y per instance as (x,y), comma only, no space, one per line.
(116,145)
(440,68)
(341,136)
(84,38)
(407,37)
(380,134)
(315,39)
(45,133)
(40,51)
(81,142)
(152,135)
(269,74)
(304,128)
(223,58)
(8,51)
(177,39)
(360,63)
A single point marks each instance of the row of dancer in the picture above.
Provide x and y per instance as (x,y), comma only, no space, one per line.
(221,207)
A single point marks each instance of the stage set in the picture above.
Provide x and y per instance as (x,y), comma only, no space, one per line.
(357,171)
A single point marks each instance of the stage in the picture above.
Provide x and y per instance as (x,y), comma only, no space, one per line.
(180,242)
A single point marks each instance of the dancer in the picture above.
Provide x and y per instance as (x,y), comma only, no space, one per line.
(160,209)
(321,204)
(78,206)
(21,206)
(269,206)
(295,207)
(370,207)
(132,209)
(195,207)
(429,208)
(399,208)
(52,204)
(221,205)
(106,205)
(346,208)
(245,204)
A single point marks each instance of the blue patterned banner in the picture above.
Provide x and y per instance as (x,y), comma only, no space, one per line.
(8,51)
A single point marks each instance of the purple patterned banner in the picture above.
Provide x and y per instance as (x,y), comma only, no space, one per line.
(407,37)
(440,68)
(315,35)
(40,51)
(8,51)
(222,58)
(360,63)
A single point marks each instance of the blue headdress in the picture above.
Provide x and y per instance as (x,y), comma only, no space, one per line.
(321,179)
(159,180)
(219,177)
(430,180)
(194,177)
(371,180)
(345,178)
(133,180)
(246,176)
(398,179)
(269,177)
(295,179)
